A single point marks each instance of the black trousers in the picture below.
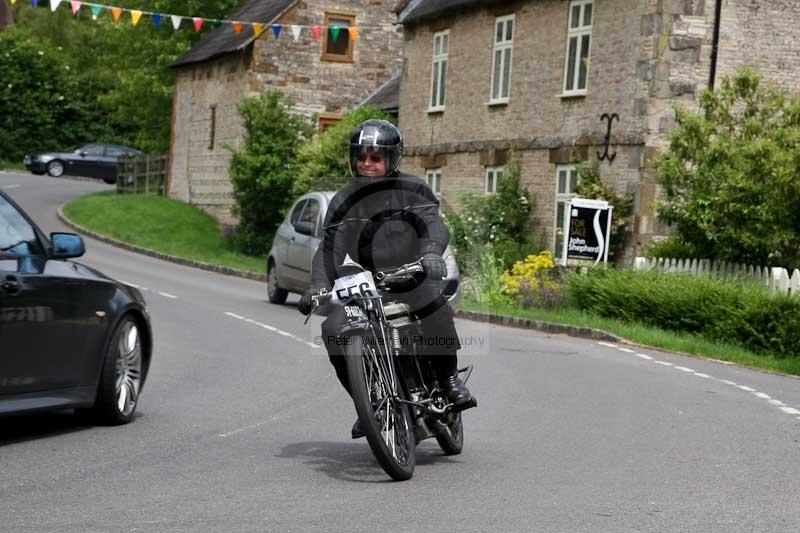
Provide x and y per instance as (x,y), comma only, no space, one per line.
(439,340)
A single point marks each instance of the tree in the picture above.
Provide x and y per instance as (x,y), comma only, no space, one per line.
(263,171)
(323,162)
(730,176)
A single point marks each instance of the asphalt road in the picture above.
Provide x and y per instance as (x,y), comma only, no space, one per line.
(242,426)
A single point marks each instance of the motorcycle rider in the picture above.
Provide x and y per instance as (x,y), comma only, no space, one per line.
(383,219)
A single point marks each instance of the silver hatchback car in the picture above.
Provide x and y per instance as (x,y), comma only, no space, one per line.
(296,242)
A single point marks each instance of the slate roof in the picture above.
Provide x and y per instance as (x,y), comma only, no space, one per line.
(387,96)
(224,40)
(424,9)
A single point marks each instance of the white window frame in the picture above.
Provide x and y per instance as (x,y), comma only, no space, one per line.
(501,46)
(441,47)
(562,197)
(434,178)
(493,174)
(578,34)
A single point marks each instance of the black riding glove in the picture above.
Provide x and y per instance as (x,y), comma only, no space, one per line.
(434,265)
(305,305)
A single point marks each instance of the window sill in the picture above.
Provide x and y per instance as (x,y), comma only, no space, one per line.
(337,58)
(435,110)
(567,96)
(497,103)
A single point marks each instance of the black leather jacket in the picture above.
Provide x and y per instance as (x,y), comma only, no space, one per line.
(379,223)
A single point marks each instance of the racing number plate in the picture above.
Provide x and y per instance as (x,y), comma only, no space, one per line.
(358,284)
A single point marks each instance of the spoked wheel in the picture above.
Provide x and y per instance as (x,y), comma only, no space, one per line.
(385,420)
(121,379)
(452,440)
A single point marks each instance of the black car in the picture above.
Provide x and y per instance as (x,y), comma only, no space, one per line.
(93,160)
(70,337)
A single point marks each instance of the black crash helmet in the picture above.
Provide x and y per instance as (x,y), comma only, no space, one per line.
(378,134)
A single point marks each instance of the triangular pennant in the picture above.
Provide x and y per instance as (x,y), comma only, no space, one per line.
(353,33)
(334,33)
(176,21)
(296,32)
(135,16)
(216,23)
(316,32)
(237,28)
(54,4)
(156,20)
(276,30)
(35,3)
(96,11)
(257,29)
(76,6)
(13,2)
(116,12)
(198,23)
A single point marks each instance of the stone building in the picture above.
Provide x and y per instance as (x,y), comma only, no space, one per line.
(324,76)
(483,78)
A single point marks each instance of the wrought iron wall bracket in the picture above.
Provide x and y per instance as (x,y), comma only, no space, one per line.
(605,155)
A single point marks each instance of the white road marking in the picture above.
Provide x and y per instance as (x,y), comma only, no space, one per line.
(12,186)
(135,286)
(783,407)
(251,426)
(271,328)
(167,295)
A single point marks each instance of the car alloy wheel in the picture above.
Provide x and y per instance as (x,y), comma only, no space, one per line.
(128,368)
(55,168)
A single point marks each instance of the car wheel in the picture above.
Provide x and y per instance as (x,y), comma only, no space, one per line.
(55,168)
(276,294)
(110,181)
(121,378)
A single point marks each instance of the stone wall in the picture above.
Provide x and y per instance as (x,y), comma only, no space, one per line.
(199,171)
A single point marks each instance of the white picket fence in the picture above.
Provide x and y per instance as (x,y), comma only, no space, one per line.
(777,279)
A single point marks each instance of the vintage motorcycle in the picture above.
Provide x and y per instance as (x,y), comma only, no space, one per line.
(395,391)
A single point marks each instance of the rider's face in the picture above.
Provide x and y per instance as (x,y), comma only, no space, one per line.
(371,162)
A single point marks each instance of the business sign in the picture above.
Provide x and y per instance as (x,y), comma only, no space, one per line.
(587,229)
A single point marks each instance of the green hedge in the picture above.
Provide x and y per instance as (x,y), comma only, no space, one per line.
(732,311)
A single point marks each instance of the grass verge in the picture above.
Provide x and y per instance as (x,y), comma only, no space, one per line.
(159,224)
(11,165)
(647,335)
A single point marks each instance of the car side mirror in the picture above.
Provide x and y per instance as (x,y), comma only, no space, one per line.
(66,245)
(306,228)
(84,154)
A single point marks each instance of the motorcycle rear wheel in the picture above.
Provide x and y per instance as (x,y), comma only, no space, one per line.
(386,422)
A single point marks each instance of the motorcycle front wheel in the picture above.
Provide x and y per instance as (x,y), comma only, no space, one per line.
(376,393)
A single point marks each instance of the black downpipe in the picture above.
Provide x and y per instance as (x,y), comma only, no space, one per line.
(715,45)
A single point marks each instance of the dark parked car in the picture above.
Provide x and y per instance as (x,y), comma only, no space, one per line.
(92,160)
(297,240)
(70,337)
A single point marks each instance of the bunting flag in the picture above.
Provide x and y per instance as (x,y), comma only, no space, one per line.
(13,2)
(198,22)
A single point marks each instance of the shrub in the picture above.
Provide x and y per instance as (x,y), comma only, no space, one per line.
(731,189)
(502,220)
(535,282)
(670,248)
(733,311)
(483,284)
(323,162)
(263,171)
